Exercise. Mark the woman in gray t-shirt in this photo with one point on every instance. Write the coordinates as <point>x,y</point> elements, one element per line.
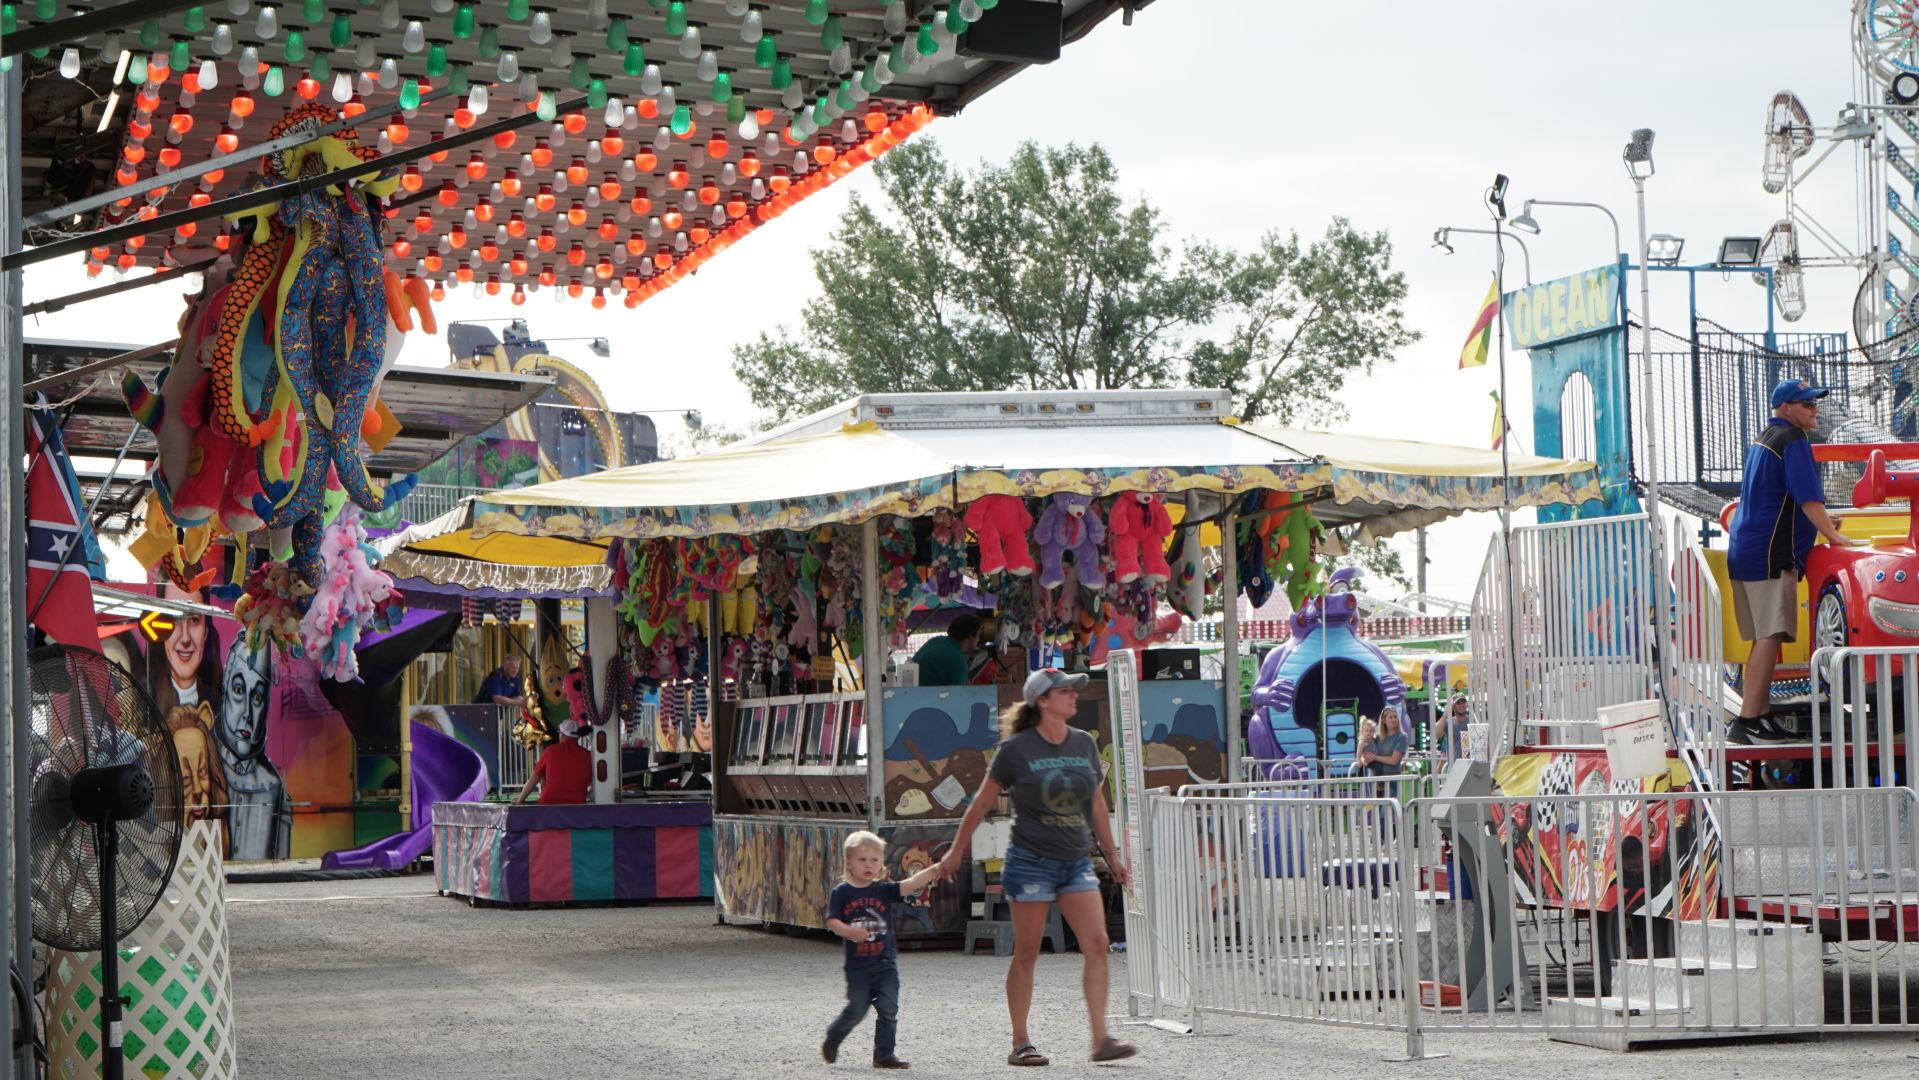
<point>1052,771</point>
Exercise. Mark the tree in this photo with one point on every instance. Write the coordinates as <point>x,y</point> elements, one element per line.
<point>1038,273</point>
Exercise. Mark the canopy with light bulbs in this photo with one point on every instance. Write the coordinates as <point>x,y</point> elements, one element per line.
<point>597,149</point>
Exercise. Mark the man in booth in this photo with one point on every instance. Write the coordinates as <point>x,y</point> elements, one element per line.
<point>947,660</point>
<point>564,773</point>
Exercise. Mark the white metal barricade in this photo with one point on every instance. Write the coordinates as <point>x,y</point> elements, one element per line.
<point>1863,704</point>
<point>1580,638</point>
<point>1698,711</point>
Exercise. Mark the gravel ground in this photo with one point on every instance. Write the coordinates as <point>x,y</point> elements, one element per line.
<point>376,979</point>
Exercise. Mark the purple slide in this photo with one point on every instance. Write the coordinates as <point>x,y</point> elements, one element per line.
<point>444,770</point>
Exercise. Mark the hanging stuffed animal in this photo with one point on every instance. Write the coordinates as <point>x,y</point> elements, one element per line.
<point>353,596</point>
<point>1138,525</point>
<point>1000,522</point>
<point>1187,590</point>
<point>1070,525</point>
<point>948,559</point>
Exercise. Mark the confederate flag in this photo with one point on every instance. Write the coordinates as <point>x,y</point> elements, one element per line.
<point>61,556</point>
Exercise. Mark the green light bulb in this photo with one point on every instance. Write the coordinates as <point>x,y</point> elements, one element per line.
<point>682,120</point>
<point>869,81</point>
<point>988,5</point>
<point>657,4</point>
<point>41,52</point>
<point>926,43</point>
<point>518,10</point>
<point>43,9</point>
<point>765,51</point>
<point>463,22</point>
<point>899,59</point>
<point>722,87</point>
<point>782,76</point>
<point>410,94</point>
<point>456,82</point>
<point>955,22</point>
<point>819,112</point>
<point>816,11</point>
<point>548,107</point>
<point>275,81</point>
<point>635,61</point>
<point>578,76</point>
<point>9,19</point>
<point>313,10</point>
<point>137,74</point>
<point>736,108</point>
<point>616,36</point>
<point>341,32</point>
<point>179,56</point>
<point>150,34</point>
<point>435,60</point>
<point>6,64</point>
<point>596,93</point>
<point>195,20</point>
<point>830,36</point>
<point>844,99</point>
<point>295,47</point>
<point>490,43</point>
<point>322,67</point>
<point>676,18</point>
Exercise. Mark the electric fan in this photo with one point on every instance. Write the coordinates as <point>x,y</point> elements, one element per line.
<point>107,819</point>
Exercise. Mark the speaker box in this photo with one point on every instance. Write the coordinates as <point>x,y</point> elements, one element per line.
<point>1019,31</point>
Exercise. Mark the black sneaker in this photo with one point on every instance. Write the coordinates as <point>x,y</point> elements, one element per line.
<point>830,1050</point>
<point>1755,730</point>
<point>890,1062</point>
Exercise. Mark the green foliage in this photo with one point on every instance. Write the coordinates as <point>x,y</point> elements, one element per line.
<point>1037,273</point>
<point>1378,558</point>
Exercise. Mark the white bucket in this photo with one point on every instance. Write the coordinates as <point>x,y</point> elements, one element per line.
<point>1636,739</point>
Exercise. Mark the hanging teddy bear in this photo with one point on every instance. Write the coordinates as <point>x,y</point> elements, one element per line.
<point>1138,525</point>
<point>1070,524</point>
<point>1000,522</point>
<point>948,555</point>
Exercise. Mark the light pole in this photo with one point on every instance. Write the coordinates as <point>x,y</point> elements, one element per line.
<point>1443,234</point>
<point>1638,159</point>
<point>1525,222</point>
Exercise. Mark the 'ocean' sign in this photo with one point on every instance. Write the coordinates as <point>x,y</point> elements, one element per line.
<point>1568,307</point>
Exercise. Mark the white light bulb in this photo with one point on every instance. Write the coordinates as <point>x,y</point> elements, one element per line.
<point>750,126</point>
<point>752,27</point>
<point>389,73</point>
<point>970,10</point>
<point>690,201</point>
<point>596,15</point>
<point>883,72</point>
<point>772,143</point>
<point>650,82</point>
<point>476,99</point>
<point>415,38</point>
<point>540,30</point>
<point>708,67</point>
<point>758,189</point>
<point>662,138</point>
<point>529,86</point>
<point>249,59</point>
<point>841,59</point>
<point>653,227</point>
<point>592,196</point>
<point>615,113</point>
<point>561,55</point>
<point>679,241</point>
<point>699,155</point>
<point>342,87</point>
<point>441,7</point>
<point>390,14</point>
<point>209,75</point>
<point>668,100</point>
<point>849,132</point>
<point>268,24</point>
<point>239,7</point>
<point>792,95</point>
<point>627,171</point>
<point>690,42</point>
<point>799,161</point>
<point>364,55</point>
<point>364,84</point>
<point>560,183</point>
<point>472,220</point>
<point>728,174</point>
<point>509,68</point>
<point>110,49</point>
<point>69,62</point>
<point>736,8</point>
<point>593,152</point>
<point>895,18</point>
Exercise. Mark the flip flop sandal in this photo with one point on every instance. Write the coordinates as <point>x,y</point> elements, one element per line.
<point>1027,1055</point>
<point>1114,1050</point>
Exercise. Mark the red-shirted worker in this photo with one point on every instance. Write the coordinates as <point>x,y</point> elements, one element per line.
<point>564,772</point>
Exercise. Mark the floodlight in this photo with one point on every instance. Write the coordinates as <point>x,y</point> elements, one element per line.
<point>1664,248</point>
<point>1439,240</point>
<point>1638,154</point>
<point>1496,195</point>
<point>1525,222</point>
<point>1739,251</point>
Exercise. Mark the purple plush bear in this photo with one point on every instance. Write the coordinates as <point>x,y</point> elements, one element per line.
<point>1070,523</point>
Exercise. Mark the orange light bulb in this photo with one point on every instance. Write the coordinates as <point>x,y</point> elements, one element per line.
<point>671,219</point>
<point>574,289</point>
<point>599,298</point>
<point>678,177</point>
<point>645,159</point>
<point>510,184</point>
<point>402,247</point>
<point>170,156</point>
<point>576,213</point>
<point>609,229</point>
<point>475,166</point>
<point>519,295</point>
<point>516,226</point>
<point>698,234</point>
<point>612,145</point>
<point>576,255</point>
<point>545,200</point>
<point>716,146</point>
<point>647,108</point>
<point>547,241</point>
<point>576,171</point>
<point>573,122</point>
<point>505,139</point>
<point>439,292</point>
<point>547,276</point>
<point>542,154</point>
<point>609,188</point>
<point>411,178</point>
<point>492,285</point>
<point>635,244</point>
<point>242,104</point>
<point>640,204</point>
<point>448,193</point>
<point>422,222</point>
<point>432,262</point>
<point>749,165</point>
<point>397,132</point>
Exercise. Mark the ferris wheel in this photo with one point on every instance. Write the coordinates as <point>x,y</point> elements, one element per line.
<point>1885,40</point>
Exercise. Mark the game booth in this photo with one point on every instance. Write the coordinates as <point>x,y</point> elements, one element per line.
<point>790,579</point>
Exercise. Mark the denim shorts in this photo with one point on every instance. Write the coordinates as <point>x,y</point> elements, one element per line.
<point>1029,878</point>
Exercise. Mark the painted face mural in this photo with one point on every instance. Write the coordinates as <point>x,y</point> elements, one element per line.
<point>243,705</point>
<point>196,763</point>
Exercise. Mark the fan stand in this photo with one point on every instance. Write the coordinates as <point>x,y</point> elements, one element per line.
<point>113,1060</point>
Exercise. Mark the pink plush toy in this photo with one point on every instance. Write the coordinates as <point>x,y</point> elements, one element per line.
<point>1070,525</point>
<point>1000,522</point>
<point>1139,526</point>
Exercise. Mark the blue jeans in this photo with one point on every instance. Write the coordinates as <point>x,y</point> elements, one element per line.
<point>878,986</point>
<point>1027,877</point>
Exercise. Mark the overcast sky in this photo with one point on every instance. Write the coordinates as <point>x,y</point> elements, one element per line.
<point>1234,117</point>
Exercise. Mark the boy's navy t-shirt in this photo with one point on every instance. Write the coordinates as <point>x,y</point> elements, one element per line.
<point>870,908</point>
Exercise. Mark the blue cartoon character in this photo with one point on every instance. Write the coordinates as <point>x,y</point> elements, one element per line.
<point>1313,689</point>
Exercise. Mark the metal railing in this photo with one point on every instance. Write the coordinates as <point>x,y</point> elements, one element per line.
<point>1610,918</point>
<point>1580,638</point>
<point>1698,661</point>
<point>516,760</point>
<point>1265,771</point>
<point>1864,701</point>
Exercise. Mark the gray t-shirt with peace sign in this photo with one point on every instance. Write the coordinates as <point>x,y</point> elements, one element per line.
<point>1052,788</point>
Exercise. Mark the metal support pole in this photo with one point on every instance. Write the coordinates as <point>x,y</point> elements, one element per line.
<point>1661,617</point>
<point>602,644</point>
<point>1511,619</point>
<point>76,27</point>
<point>16,907</point>
<point>1419,566</point>
<point>1229,639</point>
<point>872,668</point>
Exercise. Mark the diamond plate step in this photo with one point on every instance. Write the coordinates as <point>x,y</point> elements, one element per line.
<point>1747,942</point>
<point>1724,995</point>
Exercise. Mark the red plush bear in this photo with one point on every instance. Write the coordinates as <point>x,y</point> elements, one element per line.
<point>1000,522</point>
<point>1137,528</point>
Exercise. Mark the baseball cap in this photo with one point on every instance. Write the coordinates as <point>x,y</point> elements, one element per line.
<point>571,729</point>
<point>1052,678</point>
<point>1790,390</point>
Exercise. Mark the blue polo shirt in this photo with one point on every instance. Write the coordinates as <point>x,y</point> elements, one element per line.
<point>1770,534</point>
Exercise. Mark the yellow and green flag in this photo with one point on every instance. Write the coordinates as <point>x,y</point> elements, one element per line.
<point>1479,339</point>
<point>1499,420</point>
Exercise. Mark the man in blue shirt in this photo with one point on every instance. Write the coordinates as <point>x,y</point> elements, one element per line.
<point>1781,508</point>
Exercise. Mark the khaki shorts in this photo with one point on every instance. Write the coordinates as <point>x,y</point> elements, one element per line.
<point>1767,608</point>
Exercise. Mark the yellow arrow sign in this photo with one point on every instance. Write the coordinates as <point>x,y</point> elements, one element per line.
<point>155,624</point>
